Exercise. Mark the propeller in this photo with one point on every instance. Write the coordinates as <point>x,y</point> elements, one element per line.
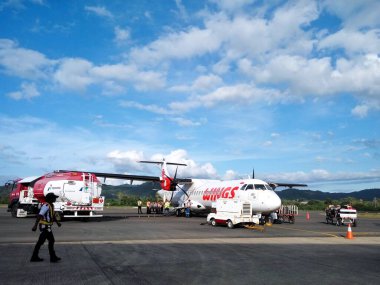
<point>174,184</point>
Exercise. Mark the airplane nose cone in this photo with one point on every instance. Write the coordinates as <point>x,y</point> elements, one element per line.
<point>276,201</point>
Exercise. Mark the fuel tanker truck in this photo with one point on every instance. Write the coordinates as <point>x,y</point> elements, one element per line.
<point>79,194</point>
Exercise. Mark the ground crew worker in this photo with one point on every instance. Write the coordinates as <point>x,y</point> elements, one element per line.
<point>148,207</point>
<point>187,208</point>
<point>139,204</point>
<point>45,220</point>
<point>167,205</point>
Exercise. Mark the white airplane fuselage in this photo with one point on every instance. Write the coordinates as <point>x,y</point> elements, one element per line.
<point>202,193</point>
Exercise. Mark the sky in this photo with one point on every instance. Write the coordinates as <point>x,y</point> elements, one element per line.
<point>289,88</point>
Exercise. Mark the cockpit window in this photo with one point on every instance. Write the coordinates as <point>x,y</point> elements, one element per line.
<point>243,187</point>
<point>268,187</point>
<point>260,187</point>
<point>250,186</point>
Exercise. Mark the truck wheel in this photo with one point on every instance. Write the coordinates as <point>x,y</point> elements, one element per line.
<point>213,222</point>
<point>230,225</point>
<point>14,210</point>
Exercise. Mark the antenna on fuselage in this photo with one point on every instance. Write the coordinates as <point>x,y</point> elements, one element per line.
<point>253,173</point>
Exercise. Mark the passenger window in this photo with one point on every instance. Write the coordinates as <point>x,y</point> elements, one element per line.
<point>243,187</point>
<point>249,187</point>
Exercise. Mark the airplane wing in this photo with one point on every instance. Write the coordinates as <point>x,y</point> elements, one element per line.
<point>290,185</point>
<point>129,176</point>
<point>119,176</point>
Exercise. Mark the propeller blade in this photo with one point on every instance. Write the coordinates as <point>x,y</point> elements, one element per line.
<point>183,190</point>
<point>175,174</point>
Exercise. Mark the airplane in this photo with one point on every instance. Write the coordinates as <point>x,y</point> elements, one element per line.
<point>200,194</point>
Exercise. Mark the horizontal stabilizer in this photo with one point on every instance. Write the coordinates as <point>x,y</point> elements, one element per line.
<point>290,185</point>
<point>162,162</point>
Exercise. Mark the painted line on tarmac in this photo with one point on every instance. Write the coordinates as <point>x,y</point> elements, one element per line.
<point>274,240</point>
<point>280,240</point>
<point>307,231</point>
<point>374,234</point>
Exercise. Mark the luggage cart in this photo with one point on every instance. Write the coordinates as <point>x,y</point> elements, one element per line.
<point>287,213</point>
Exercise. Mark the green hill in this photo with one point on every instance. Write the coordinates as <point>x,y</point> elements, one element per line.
<point>296,194</point>
<point>145,190</point>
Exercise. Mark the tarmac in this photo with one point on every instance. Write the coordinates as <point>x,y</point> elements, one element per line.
<point>126,248</point>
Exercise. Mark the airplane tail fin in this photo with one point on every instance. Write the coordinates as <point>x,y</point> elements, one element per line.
<point>167,182</point>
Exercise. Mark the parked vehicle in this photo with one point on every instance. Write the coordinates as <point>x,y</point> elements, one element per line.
<point>79,194</point>
<point>232,212</point>
<point>341,215</point>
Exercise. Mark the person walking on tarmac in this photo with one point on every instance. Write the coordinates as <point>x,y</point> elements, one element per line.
<point>45,220</point>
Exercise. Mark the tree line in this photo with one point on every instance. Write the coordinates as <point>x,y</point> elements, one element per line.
<point>358,204</point>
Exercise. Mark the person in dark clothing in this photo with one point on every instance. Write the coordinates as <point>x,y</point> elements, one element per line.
<point>45,220</point>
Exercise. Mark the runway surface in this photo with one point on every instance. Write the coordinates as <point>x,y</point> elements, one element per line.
<point>124,248</point>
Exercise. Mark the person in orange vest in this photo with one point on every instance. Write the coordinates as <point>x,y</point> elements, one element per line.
<point>45,220</point>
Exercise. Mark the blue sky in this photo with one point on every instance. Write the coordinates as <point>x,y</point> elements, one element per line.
<point>289,88</point>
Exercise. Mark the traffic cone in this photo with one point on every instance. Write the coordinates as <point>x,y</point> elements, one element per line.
<point>349,234</point>
<point>307,216</point>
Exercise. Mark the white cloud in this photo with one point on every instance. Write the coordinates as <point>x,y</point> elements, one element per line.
<point>355,14</point>
<point>149,108</point>
<point>24,63</point>
<point>232,6</point>
<point>318,77</point>
<point>260,38</point>
<point>240,94</point>
<point>28,91</point>
<point>323,176</point>
<point>74,73</point>
<point>181,45</point>
<point>360,111</point>
<point>230,175</point>
<point>78,74</point>
<point>201,84</point>
<point>188,123</point>
<point>192,169</point>
<point>352,41</point>
<point>128,160</point>
<point>181,10</point>
<point>121,35</point>
<point>142,80</point>
<point>99,11</point>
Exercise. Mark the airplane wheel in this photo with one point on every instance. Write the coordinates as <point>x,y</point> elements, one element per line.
<point>230,225</point>
<point>213,222</point>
